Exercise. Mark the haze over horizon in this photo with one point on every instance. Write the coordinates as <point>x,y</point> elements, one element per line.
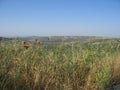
<point>60,18</point>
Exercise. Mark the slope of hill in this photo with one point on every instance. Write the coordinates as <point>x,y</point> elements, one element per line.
<point>57,39</point>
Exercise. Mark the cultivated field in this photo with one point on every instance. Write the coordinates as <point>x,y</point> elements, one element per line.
<point>91,65</point>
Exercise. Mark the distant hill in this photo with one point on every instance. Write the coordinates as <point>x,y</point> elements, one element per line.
<point>56,39</point>
<point>3,38</point>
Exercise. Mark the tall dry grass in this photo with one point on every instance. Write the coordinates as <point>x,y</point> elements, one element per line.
<point>74,66</point>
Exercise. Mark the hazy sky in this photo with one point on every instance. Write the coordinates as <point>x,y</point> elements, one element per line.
<point>59,17</point>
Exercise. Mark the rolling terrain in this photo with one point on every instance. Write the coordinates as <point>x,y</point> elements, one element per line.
<point>89,63</point>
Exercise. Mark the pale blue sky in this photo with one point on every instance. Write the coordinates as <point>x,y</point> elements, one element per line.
<point>60,17</point>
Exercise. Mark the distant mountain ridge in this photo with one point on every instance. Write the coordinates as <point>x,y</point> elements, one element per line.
<point>56,39</point>
<point>4,38</point>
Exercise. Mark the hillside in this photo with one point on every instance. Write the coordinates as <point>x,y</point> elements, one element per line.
<point>93,65</point>
<point>56,39</point>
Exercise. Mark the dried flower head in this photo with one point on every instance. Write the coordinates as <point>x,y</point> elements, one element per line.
<point>26,46</point>
<point>23,42</point>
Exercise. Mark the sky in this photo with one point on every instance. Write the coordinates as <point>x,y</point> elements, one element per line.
<point>60,18</point>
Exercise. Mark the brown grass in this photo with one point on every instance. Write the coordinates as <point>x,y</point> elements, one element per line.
<point>29,67</point>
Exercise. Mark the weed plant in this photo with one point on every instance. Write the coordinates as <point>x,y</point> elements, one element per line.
<point>65,66</point>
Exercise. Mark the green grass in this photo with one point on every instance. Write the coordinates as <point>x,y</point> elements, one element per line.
<point>65,66</point>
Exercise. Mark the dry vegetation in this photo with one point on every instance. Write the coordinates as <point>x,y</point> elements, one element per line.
<point>73,66</point>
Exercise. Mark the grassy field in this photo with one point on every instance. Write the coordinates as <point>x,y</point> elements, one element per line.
<point>92,65</point>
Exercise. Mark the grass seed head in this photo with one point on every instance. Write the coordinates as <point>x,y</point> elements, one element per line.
<point>26,46</point>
